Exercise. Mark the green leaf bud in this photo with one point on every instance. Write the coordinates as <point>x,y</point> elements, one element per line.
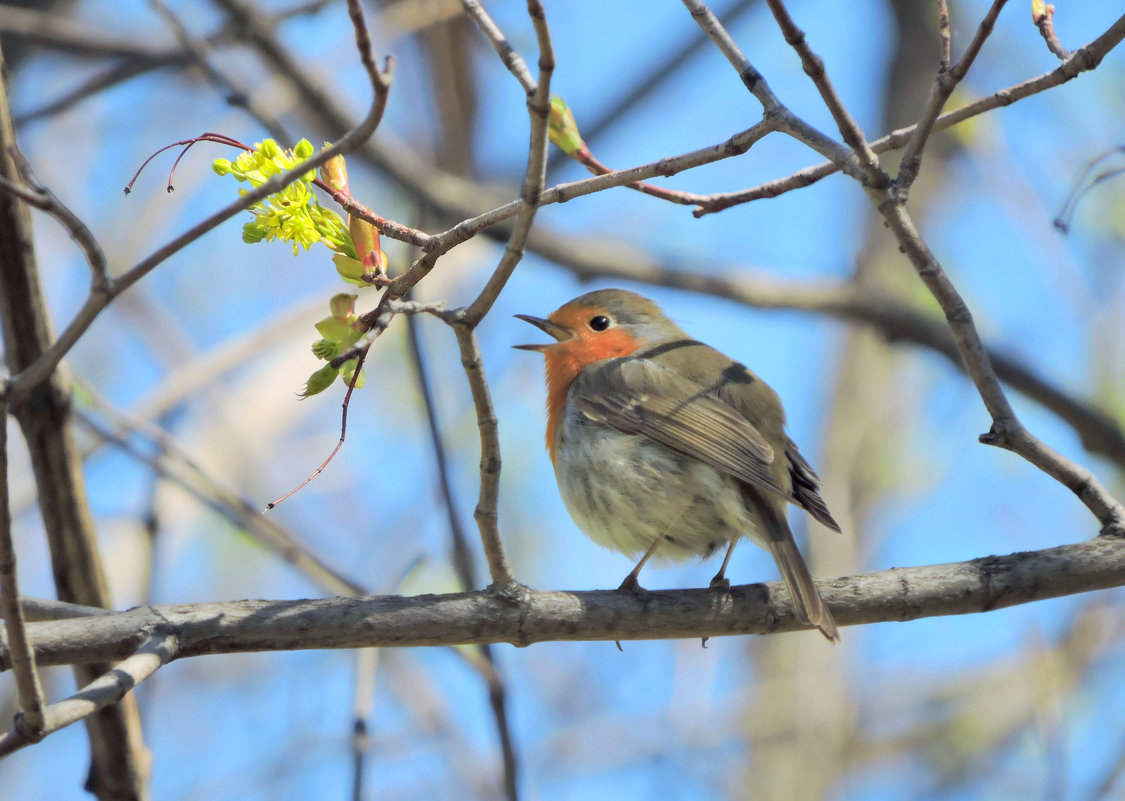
<point>561,127</point>
<point>320,380</point>
<point>325,349</point>
<point>303,149</point>
<point>343,305</point>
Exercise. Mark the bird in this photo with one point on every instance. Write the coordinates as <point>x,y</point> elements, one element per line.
<point>665,447</point>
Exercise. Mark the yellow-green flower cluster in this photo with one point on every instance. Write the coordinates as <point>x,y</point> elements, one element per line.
<point>293,214</point>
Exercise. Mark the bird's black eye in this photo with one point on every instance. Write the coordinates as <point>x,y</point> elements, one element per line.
<point>599,323</point>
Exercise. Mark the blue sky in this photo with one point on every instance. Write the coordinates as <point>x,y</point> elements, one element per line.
<point>660,719</point>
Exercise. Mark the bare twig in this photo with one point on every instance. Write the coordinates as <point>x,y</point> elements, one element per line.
<point>390,228</point>
<point>1082,60</point>
<point>463,563</point>
<point>28,689</point>
<point>667,63</point>
<point>437,245</point>
<point>413,307</point>
<point>775,113</point>
<point>814,68</point>
<point>345,404</point>
<point>751,78</point>
<point>157,650</point>
<point>44,199</point>
<point>379,319</point>
<point>538,108</point>
<point>946,36</point>
<point>899,594</point>
<point>944,84</point>
<point>1043,15</point>
<point>1007,431</point>
<point>512,60</point>
<point>465,320</point>
<point>380,79</point>
<point>590,161</point>
<point>670,165</point>
<point>485,513</point>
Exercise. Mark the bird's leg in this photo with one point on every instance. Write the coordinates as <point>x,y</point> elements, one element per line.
<point>630,583</point>
<point>721,582</point>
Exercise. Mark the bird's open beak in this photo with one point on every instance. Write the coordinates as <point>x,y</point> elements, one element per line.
<point>559,332</point>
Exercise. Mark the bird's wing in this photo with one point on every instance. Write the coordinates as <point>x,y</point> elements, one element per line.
<point>806,486</point>
<point>639,396</point>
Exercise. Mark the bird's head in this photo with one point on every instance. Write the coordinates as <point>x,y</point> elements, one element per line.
<point>603,324</point>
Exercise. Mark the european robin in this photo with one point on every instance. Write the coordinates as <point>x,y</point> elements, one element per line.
<point>663,446</point>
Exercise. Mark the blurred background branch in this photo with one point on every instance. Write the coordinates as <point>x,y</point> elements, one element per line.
<point>191,375</point>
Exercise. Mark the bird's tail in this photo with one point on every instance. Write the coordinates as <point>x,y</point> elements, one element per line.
<point>806,598</point>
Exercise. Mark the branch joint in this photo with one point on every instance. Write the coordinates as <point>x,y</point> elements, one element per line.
<point>28,732</point>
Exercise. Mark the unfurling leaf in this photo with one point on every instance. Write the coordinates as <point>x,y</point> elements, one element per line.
<point>320,380</point>
<point>334,328</point>
<point>351,270</point>
<point>347,370</point>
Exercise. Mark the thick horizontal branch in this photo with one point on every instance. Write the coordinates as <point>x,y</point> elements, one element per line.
<point>527,616</point>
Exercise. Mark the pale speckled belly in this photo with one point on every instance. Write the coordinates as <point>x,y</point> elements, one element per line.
<point>632,491</point>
